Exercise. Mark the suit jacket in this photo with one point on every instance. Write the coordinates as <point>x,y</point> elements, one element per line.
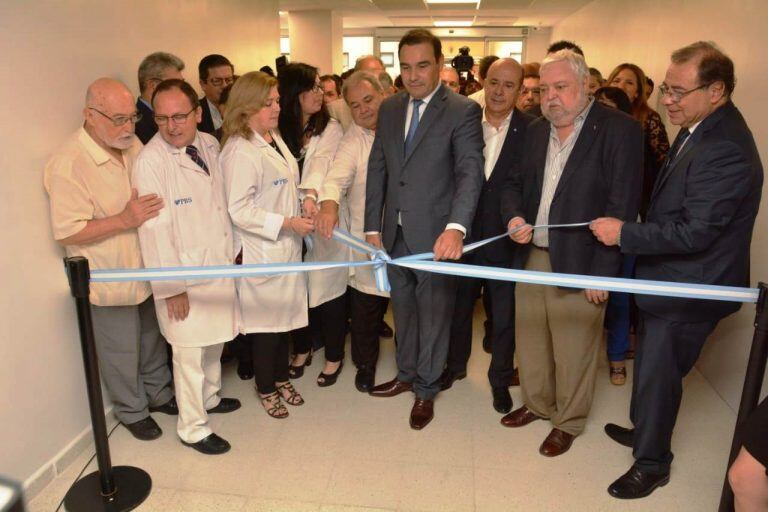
<point>700,219</point>
<point>488,218</point>
<point>437,182</point>
<point>602,178</point>
<point>146,128</point>
<point>206,125</point>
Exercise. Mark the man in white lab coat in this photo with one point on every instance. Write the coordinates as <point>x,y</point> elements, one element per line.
<point>180,165</point>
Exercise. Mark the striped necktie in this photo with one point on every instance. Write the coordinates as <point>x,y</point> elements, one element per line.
<point>195,156</point>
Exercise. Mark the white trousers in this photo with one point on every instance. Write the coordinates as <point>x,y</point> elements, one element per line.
<point>197,379</point>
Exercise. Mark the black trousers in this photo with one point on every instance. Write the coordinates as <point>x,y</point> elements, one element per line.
<point>422,303</point>
<point>499,301</point>
<point>270,359</point>
<point>367,313</point>
<point>328,321</point>
<point>666,351</point>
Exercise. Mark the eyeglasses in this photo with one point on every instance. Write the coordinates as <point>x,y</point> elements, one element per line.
<point>676,96</point>
<point>120,120</point>
<point>218,82</point>
<point>317,88</point>
<point>177,118</point>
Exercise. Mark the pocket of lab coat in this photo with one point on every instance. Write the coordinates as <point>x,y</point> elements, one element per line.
<point>264,255</point>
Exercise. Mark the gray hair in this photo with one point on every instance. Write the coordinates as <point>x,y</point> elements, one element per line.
<point>364,58</point>
<point>359,77</point>
<point>574,60</point>
<point>153,65</point>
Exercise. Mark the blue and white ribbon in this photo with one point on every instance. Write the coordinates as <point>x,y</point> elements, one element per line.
<point>423,262</point>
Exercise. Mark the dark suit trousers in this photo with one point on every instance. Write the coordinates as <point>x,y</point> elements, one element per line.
<point>666,352</point>
<point>422,303</point>
<point>500,303</point>
<point>367,312</point>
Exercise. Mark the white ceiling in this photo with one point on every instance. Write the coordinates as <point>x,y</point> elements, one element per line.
<point>418,13</point>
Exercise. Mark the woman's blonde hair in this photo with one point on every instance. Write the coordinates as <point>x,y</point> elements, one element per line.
<point>248,95</point>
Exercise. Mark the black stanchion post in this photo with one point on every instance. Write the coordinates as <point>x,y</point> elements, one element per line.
<point>753,383</point>
<point>108,489</point>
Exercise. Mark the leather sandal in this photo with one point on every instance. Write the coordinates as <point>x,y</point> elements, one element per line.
<point>273,405</point>
<point>618,374</point>
<point>289,394</point>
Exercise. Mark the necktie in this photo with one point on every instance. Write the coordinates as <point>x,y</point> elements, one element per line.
<point>682,136</point>
<point>195,156</point>
<point>413,125</point>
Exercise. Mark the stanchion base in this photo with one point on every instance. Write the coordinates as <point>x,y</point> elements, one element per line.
<point>132,486</point>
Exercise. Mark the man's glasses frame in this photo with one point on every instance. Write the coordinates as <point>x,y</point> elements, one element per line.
<point>177,118</point>
<point>120,120</point>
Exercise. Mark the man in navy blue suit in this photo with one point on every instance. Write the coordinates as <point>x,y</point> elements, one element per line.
<point>698,230</point>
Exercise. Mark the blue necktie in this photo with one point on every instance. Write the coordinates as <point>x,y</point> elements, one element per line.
<point>414,124</point>
<point>195,156</point>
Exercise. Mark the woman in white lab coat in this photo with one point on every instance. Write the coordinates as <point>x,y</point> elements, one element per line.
<point>313,137</point>
<point>261,179</point>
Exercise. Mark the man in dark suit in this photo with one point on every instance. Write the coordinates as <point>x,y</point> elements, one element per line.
<point>425,173</point>
<point>582,160</point>
<point>216,73</point>
<point>698,230</point>
<point>155,68</point>
<point>504,129</point>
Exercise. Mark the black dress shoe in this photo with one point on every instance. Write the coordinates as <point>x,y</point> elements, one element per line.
<point>145,430</point>
<point>245,370</point>
<point>386,331</point>
<point>619,434</point>
<point>502,400</point>
<point>487,343</point>
<point>211,445</point>
<point>170,407</point>
<point>449,377</point>
<point>637,483</point>
<point>225,405</point>
<point>365,378</point>
<point>296,372</point>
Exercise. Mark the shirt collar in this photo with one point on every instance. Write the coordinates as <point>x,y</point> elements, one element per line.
<point>175,151</point>
<point>428,97</point>
<point>503,124</point>
<point>99,155</point>
<point>694,126</point>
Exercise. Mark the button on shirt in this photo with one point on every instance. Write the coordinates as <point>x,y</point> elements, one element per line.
<point>86,183</point>
<point>494,141</point>
<point>557,156</point>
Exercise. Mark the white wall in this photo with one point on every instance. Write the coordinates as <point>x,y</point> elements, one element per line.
<point>536,44</point>
<point>51,51</point>
<point>645,32</point>
<point>316,39</point>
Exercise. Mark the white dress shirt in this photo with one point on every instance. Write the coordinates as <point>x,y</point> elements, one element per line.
<point>494,141</point>
<point>215,115</point>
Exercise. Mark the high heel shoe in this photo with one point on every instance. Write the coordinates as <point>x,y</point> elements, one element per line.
<point>295,372</point>
<point>273,405</point>
<point>289,394</point>
<point>325,379</point>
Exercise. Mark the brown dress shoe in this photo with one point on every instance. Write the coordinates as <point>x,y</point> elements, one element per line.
<point>392,388</point>
<point>422,413</point>
<point>556,443</point>
<point>519,418</point>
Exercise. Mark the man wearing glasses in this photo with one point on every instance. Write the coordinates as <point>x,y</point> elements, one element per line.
<point>95,213</point>
<point>155,68</point>
<point>529,100</point>
<point>698,230</point>
<point>180,164</point>
<point>216,73</point>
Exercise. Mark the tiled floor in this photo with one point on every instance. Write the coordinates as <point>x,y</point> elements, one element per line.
<point>345,451</point>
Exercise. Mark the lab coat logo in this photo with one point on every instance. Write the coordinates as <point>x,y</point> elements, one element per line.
<point>281,181</point>
<point>183,200</point>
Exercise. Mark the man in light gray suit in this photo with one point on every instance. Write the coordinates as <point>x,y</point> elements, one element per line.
<point>425,173</point>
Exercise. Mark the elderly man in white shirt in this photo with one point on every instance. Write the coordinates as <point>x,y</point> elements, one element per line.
<point>180,165</point>
<point>344,188</point>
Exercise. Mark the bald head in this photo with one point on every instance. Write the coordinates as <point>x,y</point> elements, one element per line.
<point>502,87</point>
<point>108,112</point>
<point>369,63</point>
<point>105,91</point>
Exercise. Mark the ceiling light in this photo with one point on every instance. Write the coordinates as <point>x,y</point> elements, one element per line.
<point>453,23</point>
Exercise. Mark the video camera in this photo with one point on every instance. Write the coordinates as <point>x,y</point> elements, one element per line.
<point>463,62</point>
